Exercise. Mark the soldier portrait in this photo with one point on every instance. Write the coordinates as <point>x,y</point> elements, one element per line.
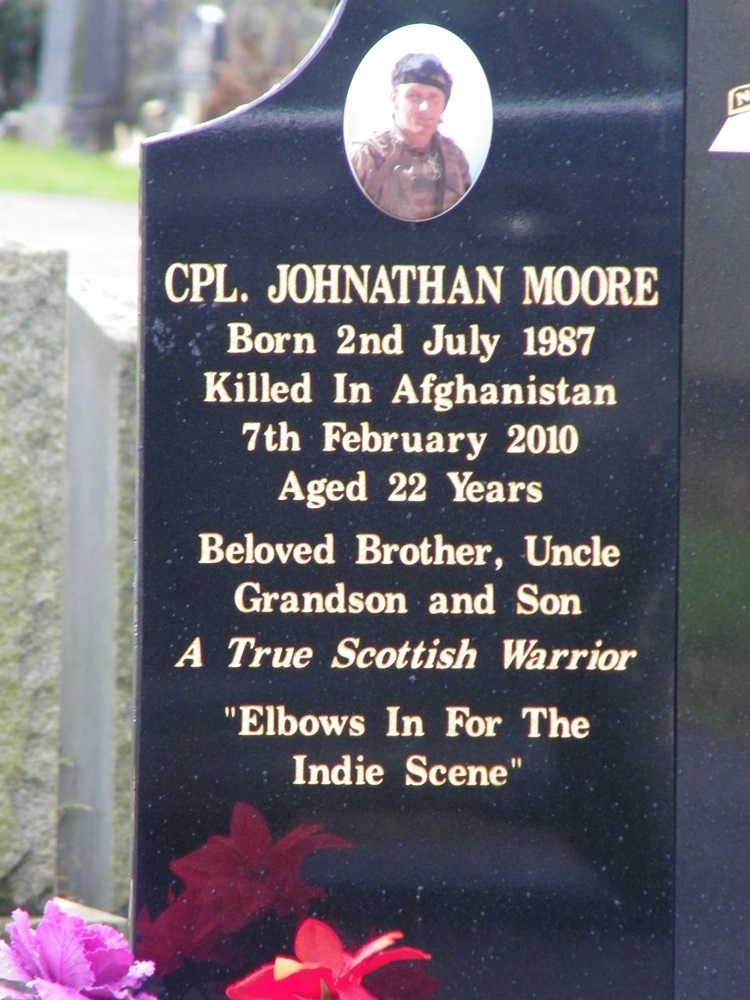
<point>413,169</point>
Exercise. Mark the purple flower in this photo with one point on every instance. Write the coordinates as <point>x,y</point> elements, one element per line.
<point>67,959</point>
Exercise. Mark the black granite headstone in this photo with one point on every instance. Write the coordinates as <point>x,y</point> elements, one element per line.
<point>409,514</point>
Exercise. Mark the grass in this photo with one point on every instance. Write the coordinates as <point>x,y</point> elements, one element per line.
<point>715,625</point>
<point>25,167</point>
<point>715,569</point>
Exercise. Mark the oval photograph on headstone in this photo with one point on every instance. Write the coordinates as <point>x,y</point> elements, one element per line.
<point>418,122</point>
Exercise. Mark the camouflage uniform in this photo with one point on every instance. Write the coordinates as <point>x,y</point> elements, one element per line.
<point>411,183</point>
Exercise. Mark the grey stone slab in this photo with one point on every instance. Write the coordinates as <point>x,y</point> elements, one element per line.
<point>101,241</point>
<point>32,439</point>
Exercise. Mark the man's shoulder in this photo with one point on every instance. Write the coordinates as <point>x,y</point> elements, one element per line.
<point>376,148</point>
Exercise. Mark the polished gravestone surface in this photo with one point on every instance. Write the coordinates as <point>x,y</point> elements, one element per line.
<point>408,536</point>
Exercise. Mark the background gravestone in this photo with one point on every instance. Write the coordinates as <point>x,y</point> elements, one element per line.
<point>547,868</point>
<point>32,330</point>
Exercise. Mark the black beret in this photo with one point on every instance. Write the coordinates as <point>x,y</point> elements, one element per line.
<point>419,67</point>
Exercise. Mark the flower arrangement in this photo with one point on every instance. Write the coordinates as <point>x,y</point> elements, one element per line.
<point>228,884</point>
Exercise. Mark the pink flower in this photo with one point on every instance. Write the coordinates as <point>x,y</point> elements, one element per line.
<point>323,970</point>
<point>67,959</point>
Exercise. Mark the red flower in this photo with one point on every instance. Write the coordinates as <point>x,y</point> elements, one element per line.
<point>229,882</point>
<point>232,880</point>
<point>323,970</point>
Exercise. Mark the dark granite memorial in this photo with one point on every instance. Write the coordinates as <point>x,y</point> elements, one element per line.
<point>408,516</point>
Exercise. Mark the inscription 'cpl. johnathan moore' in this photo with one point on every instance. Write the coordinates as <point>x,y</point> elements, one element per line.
<point>423,284</point>
<point>433,284</point>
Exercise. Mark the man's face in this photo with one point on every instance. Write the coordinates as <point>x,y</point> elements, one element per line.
<point>417,109</point>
